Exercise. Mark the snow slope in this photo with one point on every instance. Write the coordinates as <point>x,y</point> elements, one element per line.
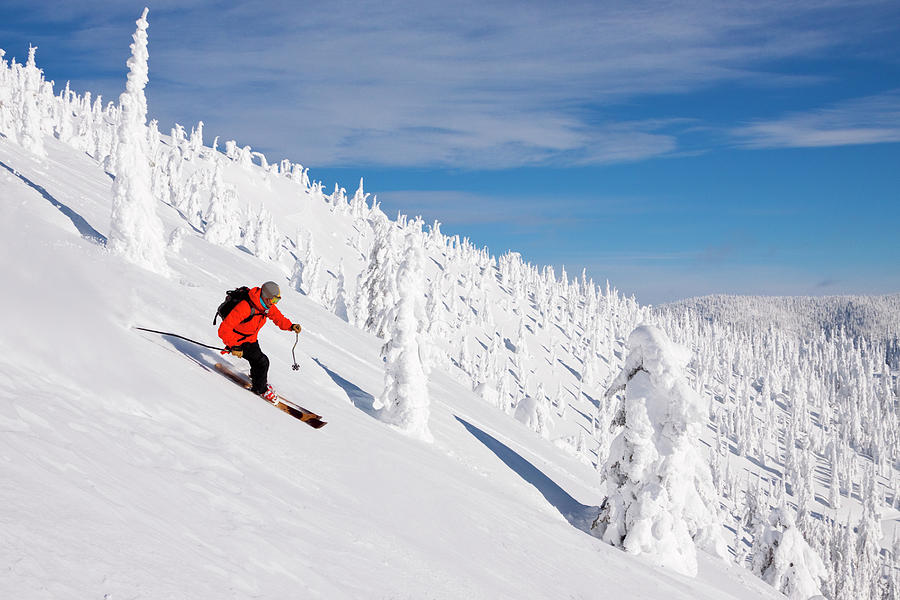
<point>131,470</point>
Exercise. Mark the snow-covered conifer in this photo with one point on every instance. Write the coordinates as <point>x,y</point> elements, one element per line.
<point>176,239</point>
<point>245,157</point>
<point>358,202</point>
<point>222,220</point>
<point>740,548</point>
<point>304,241</point>
<point>661,500</point>
<point>534,413</point>
<point>338,200</point>
<point>312,275</point>
<point>6,117</point>
<point>231,150</point>
<point>195,143</point>
<point>405,402</point>
<point>136,231</point>
<point>465,355</point>
<point>341,300</point>
<point>190,200</point>
<point>63,124</point>
<point>30,135</point>
<point>521,343</point>
<point>266,239</point>
<point>868,538</point>
<point>375,290</point>
<point>248,229</point>
<point>784,560</point>
<point>179,140</point>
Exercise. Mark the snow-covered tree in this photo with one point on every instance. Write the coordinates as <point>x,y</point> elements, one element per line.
<point>222,221</point>
<point>358,202</point>
<point>266,242</point>
<point>176,239</point>
<point>304,240</point>
<point>338,200</point>
<point>195,143</point>
<point>405,402</point>
<point>312,276</point>
<point>307,269</point>
<point>534,413</point>
<point>784,560</point>
<point>30,135</point>
<point>868,562</point>
<point>341,301</point>
<point>136,231</point>
<point>661,501</point>
<point>375,291</point>
<point>6,89</point>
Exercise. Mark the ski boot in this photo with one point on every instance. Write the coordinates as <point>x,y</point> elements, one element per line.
<point>270,394</point>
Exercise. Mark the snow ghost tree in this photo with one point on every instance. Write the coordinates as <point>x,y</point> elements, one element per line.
<point>222,224</point>
<point>405,398</point>
<point>136,231</point>
<point>303,240</point>
<point>374,288</point>
<point>30,136</point>
<point>266,243</point>
<point>661,500</point>
<point>341,301</point>
<point>783,559</point>
<point>534,413</point>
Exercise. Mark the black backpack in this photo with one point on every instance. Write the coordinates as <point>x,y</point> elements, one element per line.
<point>232,299</point>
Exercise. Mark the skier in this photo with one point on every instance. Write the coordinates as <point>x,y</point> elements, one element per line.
<point>240,327</point>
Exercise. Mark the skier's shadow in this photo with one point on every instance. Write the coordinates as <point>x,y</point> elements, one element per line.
<point>578,515</point>
<point>203,357</point>
<point>360,398</point>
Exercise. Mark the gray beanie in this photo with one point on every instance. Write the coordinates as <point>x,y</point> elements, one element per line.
<point>269,289</point>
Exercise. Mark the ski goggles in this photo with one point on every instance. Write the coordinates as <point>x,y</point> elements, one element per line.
<point>274,299</point>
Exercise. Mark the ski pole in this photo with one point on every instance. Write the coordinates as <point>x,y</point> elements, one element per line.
<point>184,338</point>
<point>295,366</point>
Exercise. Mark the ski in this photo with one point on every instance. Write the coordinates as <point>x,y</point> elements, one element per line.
<point>283,404</point>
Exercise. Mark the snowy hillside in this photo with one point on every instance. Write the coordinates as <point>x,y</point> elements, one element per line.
<point>865,317</point>
<point>135,470</point>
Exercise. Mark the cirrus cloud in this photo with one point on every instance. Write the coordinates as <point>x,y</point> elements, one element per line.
<point>465,84</point>
<point>870,120</point>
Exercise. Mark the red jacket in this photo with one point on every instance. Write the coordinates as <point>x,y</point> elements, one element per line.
<point>244,322</point>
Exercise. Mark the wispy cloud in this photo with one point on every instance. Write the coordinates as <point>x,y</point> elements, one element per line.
<point>870,120</point>
<point>463,84</point>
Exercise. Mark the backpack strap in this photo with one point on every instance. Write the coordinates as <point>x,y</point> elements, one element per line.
<point>254,312</point>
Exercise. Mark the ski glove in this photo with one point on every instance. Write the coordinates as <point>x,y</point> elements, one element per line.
<point>296,327</point>
<point>237,352</point>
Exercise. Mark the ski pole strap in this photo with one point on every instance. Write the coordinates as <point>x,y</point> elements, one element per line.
<point>295,366</point>
<point>181,337</point>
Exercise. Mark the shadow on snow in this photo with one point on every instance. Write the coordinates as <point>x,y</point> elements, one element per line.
<point>360,398</point>
<point>83,227</point>
<point>578,515</point>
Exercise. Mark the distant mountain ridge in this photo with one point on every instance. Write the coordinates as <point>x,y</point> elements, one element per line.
<point>876,318</point>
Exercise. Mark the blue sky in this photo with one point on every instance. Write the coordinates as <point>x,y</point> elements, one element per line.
<point>675,148</point>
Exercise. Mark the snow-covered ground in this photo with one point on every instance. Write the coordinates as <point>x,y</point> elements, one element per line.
<point>131,470</point>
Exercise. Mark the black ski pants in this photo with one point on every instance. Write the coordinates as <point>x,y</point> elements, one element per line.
<point>259,366</point>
